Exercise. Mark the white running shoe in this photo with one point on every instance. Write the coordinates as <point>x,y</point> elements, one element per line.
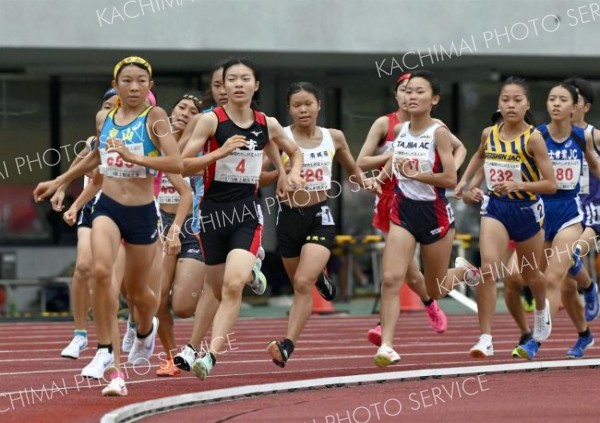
<point>385,356</point>
<point>259,284</point>
<point>261,253</point>
<point>185,358</point>
<point>483,348</point>
<point>116,388</point>
<point>202,366</point>
<point>542,324</point>
<point>128,339</point>
<point>77,344</point>
<point>473,274</point>
<point>101,361</point>
<point>143,348</point>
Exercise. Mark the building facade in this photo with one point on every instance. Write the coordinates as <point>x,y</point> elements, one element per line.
<point>56,60</point>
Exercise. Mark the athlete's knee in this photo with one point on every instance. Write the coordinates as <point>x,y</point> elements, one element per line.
<point>413,274</point>
<point>414,278</point>
<point>183,309</point>
<point>391,281</point>
<point>511,285</point>
<point>303,284</point>
<point>553,279</point>
<point>232,287</point>
<point>102,275</point>
<point>489,271</point>
<point>84,269</point>
<point>568,287</point>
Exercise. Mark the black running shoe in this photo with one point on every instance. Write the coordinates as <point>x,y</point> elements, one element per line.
<point>279,353</point>
<point>326,288</point>
<point>522,341</point>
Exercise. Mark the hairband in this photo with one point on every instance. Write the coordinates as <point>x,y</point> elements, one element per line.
<point>403,77</point>
<point>130,60</point>
<point>109,93</point>
<point>196,100</point>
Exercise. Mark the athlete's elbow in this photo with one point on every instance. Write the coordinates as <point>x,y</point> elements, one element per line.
<point>360,162</point>
<point>453,181</point>
<point>449,181</point>
<point>186,169</point>
<point>551,187</point>
<point>297,156</point>
<point>177,165</point>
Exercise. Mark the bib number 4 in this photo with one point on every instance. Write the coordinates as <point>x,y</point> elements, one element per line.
<point>241,167</point>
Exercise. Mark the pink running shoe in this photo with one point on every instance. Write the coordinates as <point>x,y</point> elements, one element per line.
<point>374,335</point>
<point>437,318</point>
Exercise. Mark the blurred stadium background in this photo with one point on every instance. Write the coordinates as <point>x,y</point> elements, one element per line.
<point>56,60</point>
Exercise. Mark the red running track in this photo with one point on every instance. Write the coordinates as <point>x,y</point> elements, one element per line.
<point>37,385</point>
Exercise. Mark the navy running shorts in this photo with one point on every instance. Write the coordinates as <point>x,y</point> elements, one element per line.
<point>190,246</point>
<point>560,214</point>
<point>138,224</point>
<point>521,218</point>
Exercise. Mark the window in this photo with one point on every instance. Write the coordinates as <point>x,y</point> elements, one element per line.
<point>24,159</point>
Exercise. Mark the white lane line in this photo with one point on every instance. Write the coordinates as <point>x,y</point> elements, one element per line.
<point>299,358</point>
<point>308,334</point>
<point>402,349</point>
<point>133,411</point>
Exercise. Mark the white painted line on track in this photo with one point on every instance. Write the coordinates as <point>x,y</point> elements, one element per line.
<point>136,411</point>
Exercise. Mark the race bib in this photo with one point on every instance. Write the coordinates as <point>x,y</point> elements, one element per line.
<point>241,167</point>
<point>538,210</point>
<point>317,176</point>
<point>566,173</point>
<point>497,171</point>
<point>168,194</point>
<point>113,165</point>
<point>414,163</point>
<point>417,153</point>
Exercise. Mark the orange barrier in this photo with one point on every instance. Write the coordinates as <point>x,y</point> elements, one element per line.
<point>320,305</point>
<point>409,301</point>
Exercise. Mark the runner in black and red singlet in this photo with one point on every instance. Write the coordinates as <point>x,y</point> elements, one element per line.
<point>233,138</point>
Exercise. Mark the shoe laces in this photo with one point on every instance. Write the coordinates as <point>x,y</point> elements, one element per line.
<point>484,340</point>
<point>77,341</point>
<point>130,334</point>
<point>98,358</point>
<point>540,316</point>
<point>189,354</point>
<point>117,382</point>
<point>386,349</point>
<point>531,344</point>
<point>434,312</point>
